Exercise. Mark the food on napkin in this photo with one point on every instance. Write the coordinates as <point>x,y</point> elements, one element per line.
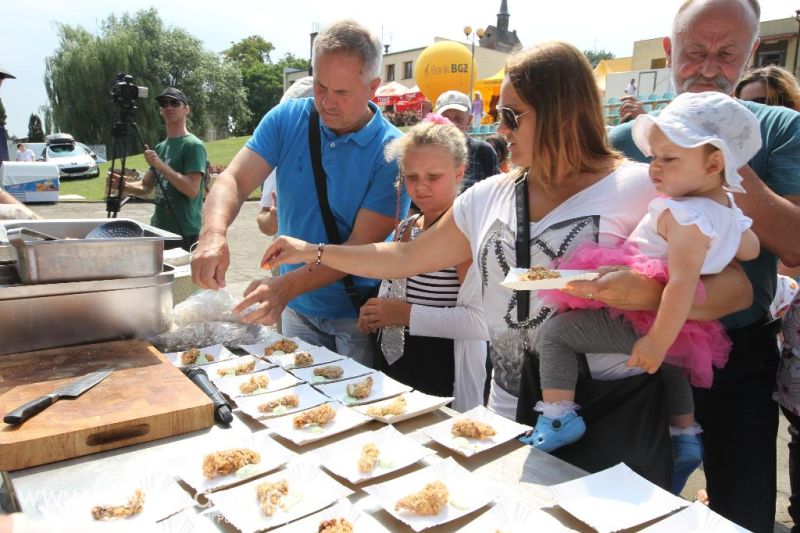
<point>472,429</point>
<point>108,512</point>
<point>260,381</point>
<point>290,400</point>
<point>537,273</point>
<point>238,370</point>
<point>195,356</point>
<point>227,462</point>
<point>270,495</point>
<point>329,372</point>
<point>369,457</point>
<point>283,345</point>
<point>427,502</point>
<point>396,407</point>
<point>361,389</point>
<point>320,416</point>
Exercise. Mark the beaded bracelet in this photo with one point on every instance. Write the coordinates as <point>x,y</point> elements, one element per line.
<point>320,249</point>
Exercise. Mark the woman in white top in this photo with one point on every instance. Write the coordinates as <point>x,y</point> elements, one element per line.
<point>578,190</point>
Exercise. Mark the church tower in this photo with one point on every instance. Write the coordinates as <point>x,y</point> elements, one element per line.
<point>499,37</point>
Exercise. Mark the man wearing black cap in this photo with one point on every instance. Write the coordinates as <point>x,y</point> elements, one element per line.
<point>178,163</point>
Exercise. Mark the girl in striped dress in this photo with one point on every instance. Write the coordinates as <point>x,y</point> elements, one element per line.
<point>431,157</point>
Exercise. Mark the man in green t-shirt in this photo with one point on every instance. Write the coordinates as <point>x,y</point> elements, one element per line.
<point>177,167</point>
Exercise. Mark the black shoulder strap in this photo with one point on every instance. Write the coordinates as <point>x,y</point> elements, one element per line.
<point>522,242</point>
<point>322,195</point>
<point>523,252</point>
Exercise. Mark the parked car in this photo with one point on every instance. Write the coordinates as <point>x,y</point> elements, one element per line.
<point>74,159</point>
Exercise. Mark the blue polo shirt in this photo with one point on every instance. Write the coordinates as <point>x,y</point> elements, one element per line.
<point>777,163</point>
<point>358,176</point>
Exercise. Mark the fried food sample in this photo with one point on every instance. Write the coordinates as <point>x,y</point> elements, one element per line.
<point>472,429</point>
<point>238,370</point>
<point>270,495</point>
<point>108,512</point>
<point>335,525</point>
<point>227,462</point>
<point>427,502</point>
<point>283,345</point>
<point>189,357</point>
<point>361,389</point>
<point>260,381</point>
<point>302,359</point>
<point>290,400</point>
<point>329,372</point>
<point>537,273</point>
<point>320,415</point>
<point>369,457</point>
<point>396,407</point>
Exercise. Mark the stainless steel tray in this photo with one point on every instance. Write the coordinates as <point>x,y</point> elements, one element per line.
<point>73,258</point>
<point>34,317</point>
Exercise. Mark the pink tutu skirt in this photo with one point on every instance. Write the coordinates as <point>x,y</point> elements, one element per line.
<point>699,345</point>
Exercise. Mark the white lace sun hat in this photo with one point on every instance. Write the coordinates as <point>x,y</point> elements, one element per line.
<point>695,119</point>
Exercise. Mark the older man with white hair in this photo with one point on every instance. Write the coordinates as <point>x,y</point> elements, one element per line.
<point>349,134</point>
<point>710,46</point>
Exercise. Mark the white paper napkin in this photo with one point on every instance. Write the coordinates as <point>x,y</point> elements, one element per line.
<point>345,419</point>
<point>613,499</point>
<point>278,379</point>
<point>417,403</point>
<point>350,369</point>
<point>307,397</point>
<point>512,517</point>
<point>505,430</point>
<point>382,387</point>
<point>696,517</point>
<point>396,451</point>
<point>217,351</point>
<point>467,493</point>
<point>360,520</point>
<point>310,489</point>
<point>512,280</point>
<point>321,355</point>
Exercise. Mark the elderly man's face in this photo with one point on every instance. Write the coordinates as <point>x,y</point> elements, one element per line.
<point>460,119</point>
<point>340,92</point>
<point>712,44</point>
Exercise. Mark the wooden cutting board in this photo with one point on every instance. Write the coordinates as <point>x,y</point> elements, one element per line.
<point>143,399</point>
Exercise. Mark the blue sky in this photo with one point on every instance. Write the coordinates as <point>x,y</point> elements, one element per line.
<point>28,32</point>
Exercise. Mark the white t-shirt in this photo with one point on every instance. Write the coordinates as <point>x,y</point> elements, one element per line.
<point>267,189</point>
<point>630,90</point>
<point>27,155</point>
<point>605,212</point>
<point>722,225</point>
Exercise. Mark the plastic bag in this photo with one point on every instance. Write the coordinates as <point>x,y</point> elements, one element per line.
<point>206,306</point>
<point>230,334</point>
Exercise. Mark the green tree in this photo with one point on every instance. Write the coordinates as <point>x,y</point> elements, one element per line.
<point>262,78</point>
<point>595,56</point>
<point>35,132</point>
<point>78,74</point>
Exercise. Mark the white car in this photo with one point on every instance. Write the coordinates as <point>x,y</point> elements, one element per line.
<point>74,160</point>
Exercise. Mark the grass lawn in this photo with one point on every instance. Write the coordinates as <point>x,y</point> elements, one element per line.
<point>94,189</point>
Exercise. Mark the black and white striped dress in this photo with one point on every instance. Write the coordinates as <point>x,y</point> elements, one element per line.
<point>428,363</point>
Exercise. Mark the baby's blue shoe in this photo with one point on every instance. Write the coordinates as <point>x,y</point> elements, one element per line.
<point>553,433</point>
<point>687,454</point>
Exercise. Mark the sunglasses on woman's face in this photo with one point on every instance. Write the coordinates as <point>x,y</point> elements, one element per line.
<point>169,103</point>
<point>509,118</point>
<point>759,100</point>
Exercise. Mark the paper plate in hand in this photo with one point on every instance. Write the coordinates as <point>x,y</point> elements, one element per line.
<point>190,466</point>
<point>504,430</point>
<point>309,490</point>
<point>696,517</point>
<point>277,377</point>
<point>216,352</point>
<point>228,368</point>
<point>161,497</point>
<point>259,349</point>
<point>394,451</point>
<point>307,397</point>
<point>382,387</point>
<point>613,499</point>
<point>343,509</point>
<point>466,493</point>
<point>511,517</point>
<point>350,369</point>
<point>320,356</point>
<point>513,281</point>
<point>416,403</point>
<point>345,419</point>
<point>188,521</point>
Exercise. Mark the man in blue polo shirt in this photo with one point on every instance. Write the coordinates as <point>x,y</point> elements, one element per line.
<point>710,45</point>
<point>360,186</point>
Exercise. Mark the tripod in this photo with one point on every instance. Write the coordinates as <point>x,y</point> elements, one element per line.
<point>120,133</point>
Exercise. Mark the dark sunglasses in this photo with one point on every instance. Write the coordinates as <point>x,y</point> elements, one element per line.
<point>509,118</point>
<point>169,103</point>
<point>759,100</point>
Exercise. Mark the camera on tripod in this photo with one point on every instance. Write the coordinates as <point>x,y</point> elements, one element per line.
<point>124,91</point>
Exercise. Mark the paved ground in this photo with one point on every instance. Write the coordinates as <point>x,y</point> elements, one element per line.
<point>247,246</point>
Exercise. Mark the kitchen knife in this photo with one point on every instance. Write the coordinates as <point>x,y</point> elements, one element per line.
<point>70,390</point>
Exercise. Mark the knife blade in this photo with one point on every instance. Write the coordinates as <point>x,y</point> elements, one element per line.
<point>70,390</point>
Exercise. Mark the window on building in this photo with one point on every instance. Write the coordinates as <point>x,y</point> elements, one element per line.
<point>659,63</point>
<point>389,72</point>
<point>408,72</point>
<point>773,53</point>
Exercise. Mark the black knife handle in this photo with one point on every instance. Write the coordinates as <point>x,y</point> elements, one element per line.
<point>33,407</point>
